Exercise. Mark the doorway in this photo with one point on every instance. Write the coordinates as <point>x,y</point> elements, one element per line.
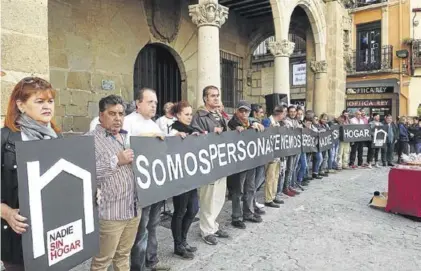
<point>156,68</point>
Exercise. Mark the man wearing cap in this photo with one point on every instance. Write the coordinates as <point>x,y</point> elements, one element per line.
<point>243,181</point>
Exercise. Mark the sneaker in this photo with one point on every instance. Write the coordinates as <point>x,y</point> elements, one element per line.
<point>331,171</point>
<point>353,167</point>
<point>369,166</point>
<point>221,234</point>
<point>377,165</point>
<point>260,205</point>
<point>210,239</point>
<point>238,224</point>
<point>317,176</point>
<point>305,183</point>
<point>255,218</point>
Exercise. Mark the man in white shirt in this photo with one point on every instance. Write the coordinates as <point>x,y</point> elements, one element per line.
<point>357,146</point>
<point>140,123</point>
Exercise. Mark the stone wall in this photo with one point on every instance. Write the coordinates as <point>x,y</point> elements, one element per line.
<point>24,39</point>
<point>91,41</point>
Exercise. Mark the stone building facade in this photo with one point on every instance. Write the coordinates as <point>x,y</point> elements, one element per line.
<point>90,49</point>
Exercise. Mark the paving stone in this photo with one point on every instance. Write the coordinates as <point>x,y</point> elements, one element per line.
<point>328,227</point>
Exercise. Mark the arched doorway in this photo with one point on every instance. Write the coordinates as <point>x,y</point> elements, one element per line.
<point>156,68</point>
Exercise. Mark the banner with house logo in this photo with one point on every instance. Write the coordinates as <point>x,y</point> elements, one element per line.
<point>57,189</point>
<point>379,137</point>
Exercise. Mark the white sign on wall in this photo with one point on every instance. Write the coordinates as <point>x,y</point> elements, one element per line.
<point>299,74</point>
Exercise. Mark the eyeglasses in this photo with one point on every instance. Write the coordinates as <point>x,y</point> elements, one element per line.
<point>36,82</point>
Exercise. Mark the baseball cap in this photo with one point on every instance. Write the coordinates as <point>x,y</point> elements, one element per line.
<point>244,105</point>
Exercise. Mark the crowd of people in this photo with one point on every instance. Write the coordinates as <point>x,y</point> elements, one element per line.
<point>128,233</point>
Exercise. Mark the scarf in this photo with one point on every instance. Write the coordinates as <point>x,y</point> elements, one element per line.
<point>181,127</point>
<point>33,130</point>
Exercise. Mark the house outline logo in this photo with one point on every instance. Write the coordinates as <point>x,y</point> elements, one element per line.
<point>37,182</point>
<point>378,131</point>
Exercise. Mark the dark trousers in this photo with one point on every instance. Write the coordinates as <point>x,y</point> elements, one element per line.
<point>373,154</point>
<point>145,249</point>
<point>13,267</point>
<point>186,207</point>
<point>387,153</point>
<point>356,147</point>
<point>403,148</point>
<point>243,189</point>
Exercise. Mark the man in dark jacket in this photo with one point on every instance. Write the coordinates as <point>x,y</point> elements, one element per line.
<point>243,181</point>
<point>392,137</point>
<point>211,196</point>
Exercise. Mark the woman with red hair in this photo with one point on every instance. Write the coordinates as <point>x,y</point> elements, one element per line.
<point>29,117</point>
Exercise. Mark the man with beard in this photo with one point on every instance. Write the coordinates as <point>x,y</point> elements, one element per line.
<point>139,123</point>
<point>290,122</point>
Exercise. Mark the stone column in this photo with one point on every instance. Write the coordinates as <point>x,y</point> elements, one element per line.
<point>209,16</point>
<point>282,51</point>
<point>310,78</point>
<point>321,93</point>
<point>24,40</point>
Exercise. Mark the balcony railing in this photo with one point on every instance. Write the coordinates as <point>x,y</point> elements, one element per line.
<point>371,60</point>
<point>364,3</point>
<point>416,53</point>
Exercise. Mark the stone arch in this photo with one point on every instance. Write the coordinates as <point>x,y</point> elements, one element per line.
<point>179,61</point>
<point>317,20</point>
<point>281,31</point>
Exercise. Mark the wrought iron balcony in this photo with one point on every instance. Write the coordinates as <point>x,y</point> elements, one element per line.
<point>416,53</point>
<point>372,60</point>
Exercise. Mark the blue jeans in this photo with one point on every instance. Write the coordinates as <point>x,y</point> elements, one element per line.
<point>145,249</point>
<point>301,167</point>
<point>317,162</point>
<point>417,148</point>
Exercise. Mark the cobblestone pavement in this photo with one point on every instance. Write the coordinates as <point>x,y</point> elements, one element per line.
<point>328,227</point>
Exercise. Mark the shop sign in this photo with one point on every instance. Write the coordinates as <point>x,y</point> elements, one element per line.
<point>368,103</point>
<point>369,90</point>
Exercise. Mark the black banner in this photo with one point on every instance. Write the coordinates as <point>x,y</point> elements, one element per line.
<point>355,133</point>
<point>335,133</point>
<point>57,188</point>
<point>310,140</point>
<point>290,142</point>
<point>325,140</point>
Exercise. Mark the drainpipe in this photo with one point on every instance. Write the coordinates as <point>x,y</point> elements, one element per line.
<point>400,60</point>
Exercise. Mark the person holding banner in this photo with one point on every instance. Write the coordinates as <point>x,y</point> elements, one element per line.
<point>186,205</point>
<point>29,116</point>
<point>392,136</point>
<point>212,196</point>
<point>323,127</point>
<point>144,252</point>
<point>373,153</point>
<point>118,211</point>
<point>357,147</point>
<point>243,183</point>
<point>274,167</point>
<point>290,122</point>
<point>317,156</point>
<point>344,148</point>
